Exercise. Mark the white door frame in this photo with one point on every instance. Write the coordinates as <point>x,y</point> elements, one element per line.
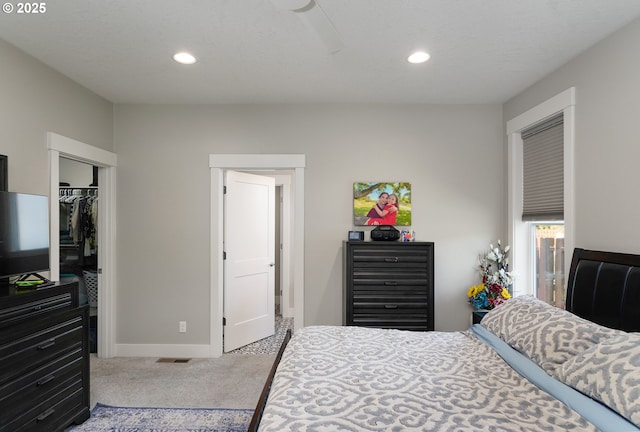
<point>286,225</point>
<point>218,163</point>
<point>58,146</point>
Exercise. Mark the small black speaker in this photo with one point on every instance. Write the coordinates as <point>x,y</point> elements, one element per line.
<point>385,233</point>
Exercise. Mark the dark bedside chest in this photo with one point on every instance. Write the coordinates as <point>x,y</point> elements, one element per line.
<point>478,315</point>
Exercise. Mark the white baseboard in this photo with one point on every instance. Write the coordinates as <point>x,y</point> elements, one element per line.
<point>163,350</point>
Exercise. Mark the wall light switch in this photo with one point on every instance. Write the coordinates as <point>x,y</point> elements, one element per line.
<point>182,327</point>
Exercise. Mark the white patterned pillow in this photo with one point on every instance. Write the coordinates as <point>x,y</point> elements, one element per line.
<point>548,335</point>
<point>610,373</point>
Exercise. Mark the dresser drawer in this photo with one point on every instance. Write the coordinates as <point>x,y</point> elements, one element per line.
<point>40,384</point>
<point>381,293</point>
<point>376,249</point>
<point>389,279</point>
<point>388,264</point>
<point>387,309</point>
<point>29,306</point>
<point>391,311</point>
<point>51,415</point>
<point>27,347</point>
<point>400,322</point>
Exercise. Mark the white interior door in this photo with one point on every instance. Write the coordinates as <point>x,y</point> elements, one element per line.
<point>249,237</point>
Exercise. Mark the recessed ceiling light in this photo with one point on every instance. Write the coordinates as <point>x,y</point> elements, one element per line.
<point>184,58</point>
<point>418,57</point>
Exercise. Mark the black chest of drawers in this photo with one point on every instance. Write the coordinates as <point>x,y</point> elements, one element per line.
<point>389,285</point>
<point>44,360</point>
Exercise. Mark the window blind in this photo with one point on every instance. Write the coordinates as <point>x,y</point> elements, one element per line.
<point>543,171</point>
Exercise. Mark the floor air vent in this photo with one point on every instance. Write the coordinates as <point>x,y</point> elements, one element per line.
<point>173,360</point>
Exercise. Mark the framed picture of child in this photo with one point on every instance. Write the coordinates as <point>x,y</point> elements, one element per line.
<point>381,203</point>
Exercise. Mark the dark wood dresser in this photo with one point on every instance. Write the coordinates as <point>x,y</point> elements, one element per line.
<point>44,359</point>
<point>389,285</point>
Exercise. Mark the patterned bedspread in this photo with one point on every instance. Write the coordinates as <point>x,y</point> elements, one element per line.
<point>355,379</point>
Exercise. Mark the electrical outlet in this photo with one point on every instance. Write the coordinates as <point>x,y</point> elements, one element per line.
<point>182,327</point>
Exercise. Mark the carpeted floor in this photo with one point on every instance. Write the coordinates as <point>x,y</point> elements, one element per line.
<point>105,418</point>
<point>233,380</point>
<point>229,381</point>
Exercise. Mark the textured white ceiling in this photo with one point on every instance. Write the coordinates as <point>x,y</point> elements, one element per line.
<point>251,51</point>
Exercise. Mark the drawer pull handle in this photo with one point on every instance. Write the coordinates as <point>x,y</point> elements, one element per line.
<point>391,260</point>
<point>47,344</point>
<point>389,306</point>
<point>46,380</point>
<point>45,414</point>
<point>390,283</point>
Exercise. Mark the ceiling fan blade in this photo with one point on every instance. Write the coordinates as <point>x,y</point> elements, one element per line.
<point>318,20</point>
<point>315,17</point>
<point>292,5</point>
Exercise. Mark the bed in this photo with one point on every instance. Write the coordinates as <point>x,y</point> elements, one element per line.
<point>527,366</point>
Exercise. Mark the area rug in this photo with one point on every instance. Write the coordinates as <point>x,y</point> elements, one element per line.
<point>105,418</point>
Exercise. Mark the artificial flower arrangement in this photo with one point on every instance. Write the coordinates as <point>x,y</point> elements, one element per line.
<point>496,279</point>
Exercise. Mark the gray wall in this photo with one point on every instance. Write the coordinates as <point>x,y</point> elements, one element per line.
<point>35,100</point>
<point>452,155</point>
<point>77,174</point>
<point>607,152</point>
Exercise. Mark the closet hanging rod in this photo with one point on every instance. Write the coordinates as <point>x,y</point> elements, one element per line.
<point>68,191</point>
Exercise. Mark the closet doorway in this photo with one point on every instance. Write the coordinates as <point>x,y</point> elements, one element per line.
<point>62,147</point>
<point>79,200</point>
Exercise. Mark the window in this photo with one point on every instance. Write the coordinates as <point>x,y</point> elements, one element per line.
<point>543,199</point>
<point>541,235</point>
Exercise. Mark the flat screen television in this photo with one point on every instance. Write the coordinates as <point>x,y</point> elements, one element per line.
<point>24,234</point>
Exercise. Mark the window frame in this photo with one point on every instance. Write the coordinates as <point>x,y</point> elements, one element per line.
<point>518,231</point>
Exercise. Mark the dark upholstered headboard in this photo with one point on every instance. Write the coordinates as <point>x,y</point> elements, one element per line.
<point>604,287</point>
